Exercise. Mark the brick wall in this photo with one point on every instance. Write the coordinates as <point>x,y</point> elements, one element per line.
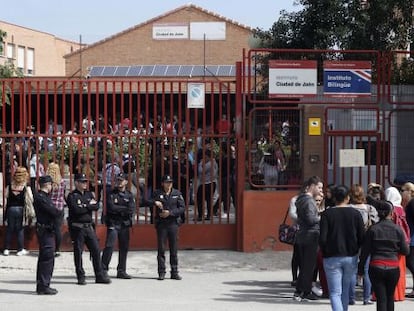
<point>135,46</point>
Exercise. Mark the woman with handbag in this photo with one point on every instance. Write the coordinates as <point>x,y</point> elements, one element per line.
<point>19,210</point>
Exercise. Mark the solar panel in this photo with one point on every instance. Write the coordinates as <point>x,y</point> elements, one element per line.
<point>121,71</point>
<point>134,71</point>
<point>165,71</point>
<point>172,70</point>
<point>159,70</point>
<point>147,71</point>
<point>185,70</point>
<point>224,71</point>
<point>108,71</point>
<point>211,70</point>
<point>198,71</point>
<point>96,71</point>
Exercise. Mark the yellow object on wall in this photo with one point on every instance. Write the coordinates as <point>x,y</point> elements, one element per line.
<point>314,126</point>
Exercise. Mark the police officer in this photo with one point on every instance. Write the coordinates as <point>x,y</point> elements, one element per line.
<point>120,206</point>
<point>46,215</point>
<point>81,203</point>
<point>168,204</point>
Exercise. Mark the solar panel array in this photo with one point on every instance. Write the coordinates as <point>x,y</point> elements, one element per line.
<point>163,71</point>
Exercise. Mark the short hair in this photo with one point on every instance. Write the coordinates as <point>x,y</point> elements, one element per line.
<point>314,180</point>
<point>383,208</point>
<point>340,193</point>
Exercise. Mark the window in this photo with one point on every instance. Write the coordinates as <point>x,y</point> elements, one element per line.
<point>30,61</point>
<point>2,50</point>
<point>20,58</point>
<point>10,51</point>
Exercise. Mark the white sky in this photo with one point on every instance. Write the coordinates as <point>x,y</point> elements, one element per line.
<point>98,19</point>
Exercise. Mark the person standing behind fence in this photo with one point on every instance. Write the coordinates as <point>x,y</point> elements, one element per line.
<point>384,242</point>
<point>120,206</point>
<point>342,234</point>
<point>57,195</point>
<point>398,216</point>
<point>307,237</point>
<point>19,210</point>
<point>46,215</point>
<point>207,180</point>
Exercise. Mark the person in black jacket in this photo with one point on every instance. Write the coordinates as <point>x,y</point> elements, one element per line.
<point>307,237</point>
<point>120,206</point>
<point>81,203</point>
<point>46,215</point>
<point>341,235</point>
<point>168,206</point>
<point>384,241</point>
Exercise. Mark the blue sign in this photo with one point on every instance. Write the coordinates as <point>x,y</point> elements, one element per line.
<point>347,79</point>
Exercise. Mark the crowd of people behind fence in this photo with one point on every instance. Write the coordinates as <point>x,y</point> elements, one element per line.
<point>144,150</point>
<point>350,237</point>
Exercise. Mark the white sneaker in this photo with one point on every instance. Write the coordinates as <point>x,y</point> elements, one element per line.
<point>23,252</point>
<point>317,291</point>
<point>6,252</point>
<point>224,215</point>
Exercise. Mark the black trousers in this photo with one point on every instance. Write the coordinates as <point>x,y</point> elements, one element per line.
<point>410,262</point>
<point>384,281</point>
<point>80,237</point>
<point>112,233</point>
<point>308,252</point>
<point>167,230</point>
<point>46,259</point>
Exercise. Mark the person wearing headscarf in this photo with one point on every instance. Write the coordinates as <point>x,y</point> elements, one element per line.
<point>384,242</point>
<point>19,210</point>
<point>393,195</point>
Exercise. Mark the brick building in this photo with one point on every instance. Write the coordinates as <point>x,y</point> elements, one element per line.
<point>188,35</point>
<point>35,53</point>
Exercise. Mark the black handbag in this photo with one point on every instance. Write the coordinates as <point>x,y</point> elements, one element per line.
<point>287,233</point>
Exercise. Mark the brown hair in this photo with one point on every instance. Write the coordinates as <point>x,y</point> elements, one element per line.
<point>357,194</point>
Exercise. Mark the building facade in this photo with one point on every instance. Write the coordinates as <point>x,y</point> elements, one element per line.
<point>35,53</point>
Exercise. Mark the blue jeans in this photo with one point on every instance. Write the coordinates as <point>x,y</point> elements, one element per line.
<point>339,272</point>
<point>366,284</point>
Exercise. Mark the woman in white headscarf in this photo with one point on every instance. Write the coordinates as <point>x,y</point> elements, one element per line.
<point>393,195</point>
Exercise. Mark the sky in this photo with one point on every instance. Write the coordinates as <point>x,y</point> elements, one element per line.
<point>93,20</point>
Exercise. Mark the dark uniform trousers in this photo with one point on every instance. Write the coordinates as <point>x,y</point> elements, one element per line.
<point>46,259</point>
<point>112,232</point>
<point>167,230</point>
<point>80,237</point>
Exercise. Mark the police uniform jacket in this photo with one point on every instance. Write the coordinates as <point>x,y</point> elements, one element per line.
<point>80,206</point>
<point>120,206</point>
<point>173,202</point>
<point>46,212</point>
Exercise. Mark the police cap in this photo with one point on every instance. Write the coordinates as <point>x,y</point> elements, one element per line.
<point>166,178</point>
<point>81,177</point>
<point>45,179</point>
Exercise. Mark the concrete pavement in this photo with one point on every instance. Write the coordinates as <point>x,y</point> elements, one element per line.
<point>212,280</point>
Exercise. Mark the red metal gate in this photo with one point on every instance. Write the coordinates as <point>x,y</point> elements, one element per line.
<point>145,127</point>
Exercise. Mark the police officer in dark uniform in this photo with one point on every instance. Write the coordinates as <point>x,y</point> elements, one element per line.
<point>81,203</point>
<point>168,204</point>
<point>120,206</point>
<point>46,215</point>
